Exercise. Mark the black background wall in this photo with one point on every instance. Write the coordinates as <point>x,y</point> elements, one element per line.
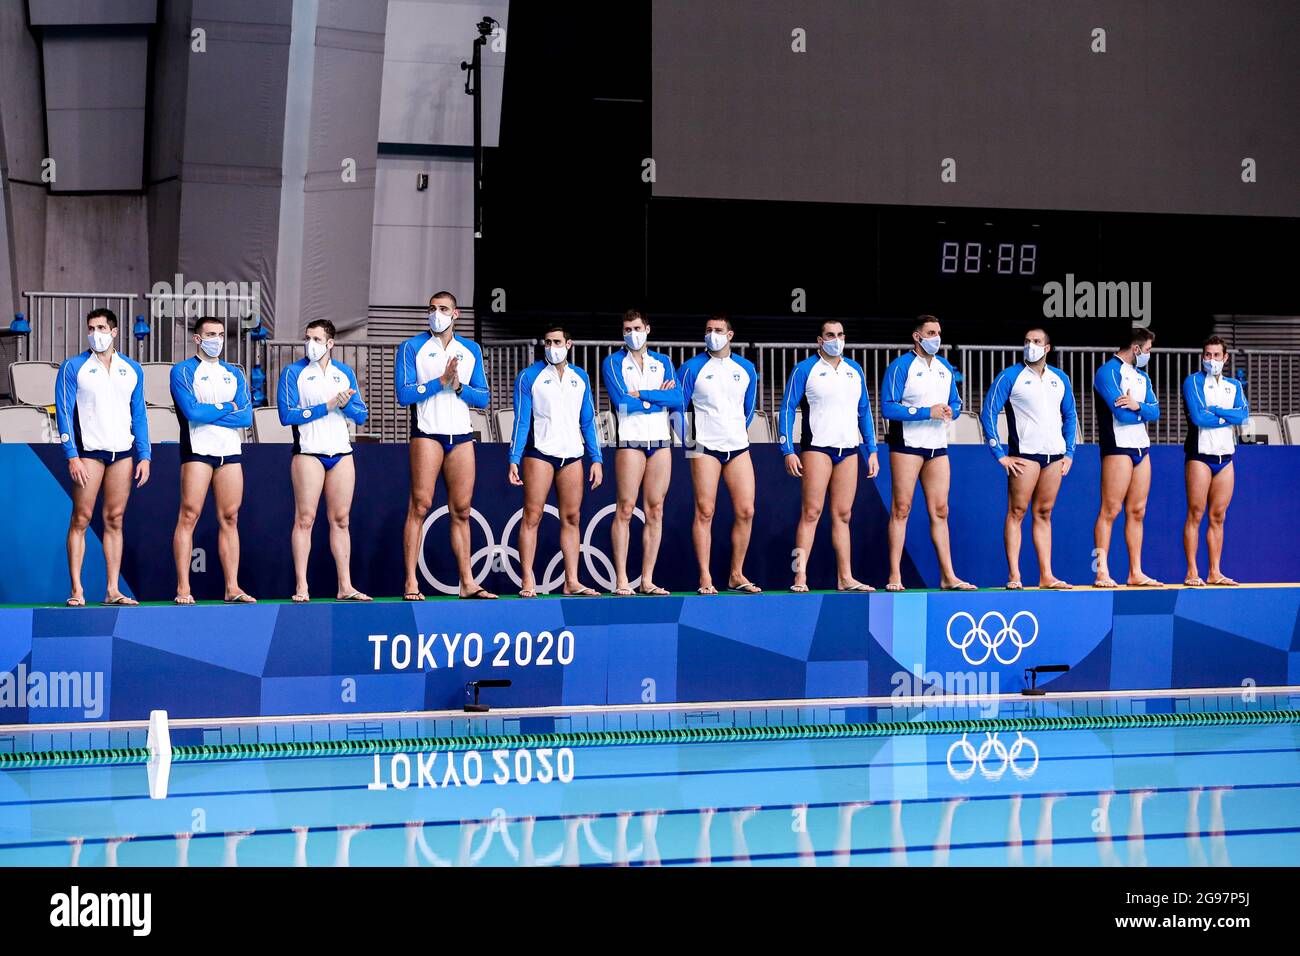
<point>571,228</point>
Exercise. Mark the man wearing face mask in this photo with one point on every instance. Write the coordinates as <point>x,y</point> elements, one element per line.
<point>1215,405</point>
<point>919,399</point>
<point>721,388</point>
<point>831,391</point>
<point>100,412</point>
<point>555,419</point>
<point>440,377</point>
<point>1041,428</point>
<point>1124,401</point>
<point>213,404</point>
<point>643,393</point>
<point>316,398</point>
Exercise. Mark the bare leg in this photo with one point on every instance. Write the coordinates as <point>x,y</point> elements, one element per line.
<point>83,509</point>
<point>816,477</point>
<point>1020,488</point>
<point>654,489</point>
<point>459,471</point>
<point>308,476</point>
<point>1135,512</point>
<point>705,472</point>
<point>340,482</point>
<point>538,476</point>
<point>426,462</point>
<point>195,479</point>
<point>738,475</point>
<point>629,469</point>
<point>1220,497</point>
<point>1049,485</point>
<point>903,472</point>
<point>844,491</point>
<point>1197,477</point>
<point>1116,475</point>
<point>117,489</point>
<point>568,494</point>
<point>228,492</point>
<point>935,477</point>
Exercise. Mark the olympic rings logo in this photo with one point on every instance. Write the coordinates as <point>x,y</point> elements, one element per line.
<point>502,556</point>
<point>1007,631</point>
<point>1004,757</point>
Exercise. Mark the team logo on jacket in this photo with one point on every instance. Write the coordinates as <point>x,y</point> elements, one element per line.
<point>735,376</point>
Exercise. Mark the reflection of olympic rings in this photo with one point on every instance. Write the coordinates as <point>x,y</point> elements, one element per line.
<point>992,745</point>
<point>992,642</point>
<point>503,557</point>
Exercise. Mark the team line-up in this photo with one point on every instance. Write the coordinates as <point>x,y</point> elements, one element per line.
<point>439,375</point>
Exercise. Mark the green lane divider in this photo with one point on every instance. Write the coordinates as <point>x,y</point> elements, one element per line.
<point>606,738</point>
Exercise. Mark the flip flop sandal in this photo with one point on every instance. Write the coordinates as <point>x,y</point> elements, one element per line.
<point>749,587</point>
<point>799,588</point>
<point>300,599</point>
<point>1193,583</point>
<point>856,589</point>
<point>622,592</point>
<point>241,598</point>
<point>1106,583</point>
<point>895,588</point>
<point>356,596</point>
<point>412,596</point>
<point>654,592</point>
<point>482,594</point>
<point>710,591</point>
<point>184,602</point>
<point>75,602</point>
<point>1147,583</point>
<point>528,593</point>
<point>1222,583</point>
<point>120,601</point>
<point>960,586</point>
<point>581,592</point>
<point>1015,586</point>
<point>1057,585</point>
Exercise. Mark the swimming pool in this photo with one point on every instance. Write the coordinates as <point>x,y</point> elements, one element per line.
<point>1159,796</point>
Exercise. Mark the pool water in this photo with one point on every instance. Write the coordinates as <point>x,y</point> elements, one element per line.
<point>1179,796</point>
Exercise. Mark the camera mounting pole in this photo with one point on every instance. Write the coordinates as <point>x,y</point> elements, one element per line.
<point>473,83</point>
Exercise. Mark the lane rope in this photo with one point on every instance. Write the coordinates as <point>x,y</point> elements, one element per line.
<point>674,735</point>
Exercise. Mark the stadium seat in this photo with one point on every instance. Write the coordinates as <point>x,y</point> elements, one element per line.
<point>760,429</point>
<point>479,421</point>
<point>1262,429</point>
<point>158,384</point>
<point>965,430</point>
<point>164,426</point>
<point>32,383</point>
<point>26,425</point>
<point>505,419</point>
<point>267,429</point>
<point>1291,425</point>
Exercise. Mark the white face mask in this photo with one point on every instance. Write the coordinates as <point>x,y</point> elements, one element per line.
<point>833,347</point>
<point>1034,352</point>
<point>212,347</point>
<point>315,350</point>
<point>100,341</point>
<point>635,340</point>
<point>715,341</point>
<point>1142,358</point>
<point>555,354</point>
<point>1212,366</point>
<point>931,346</point>
<point>439,322</point>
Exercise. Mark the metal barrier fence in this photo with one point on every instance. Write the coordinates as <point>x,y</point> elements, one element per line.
<point>58,324</point>
<point>58,321</point>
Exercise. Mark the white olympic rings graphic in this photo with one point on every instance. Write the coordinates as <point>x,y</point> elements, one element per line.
<point>499,555</point>
<point>1000,751</point>
<point>1007,631</point>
